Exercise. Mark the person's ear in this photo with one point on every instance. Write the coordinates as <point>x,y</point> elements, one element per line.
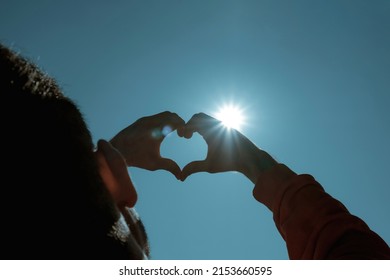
<point>113,170</point>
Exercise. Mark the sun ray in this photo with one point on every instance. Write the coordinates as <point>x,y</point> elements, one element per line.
<point>231,116</point>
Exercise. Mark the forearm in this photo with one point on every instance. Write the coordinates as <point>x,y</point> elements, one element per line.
<point>314,224</point>
<point>255,162</point>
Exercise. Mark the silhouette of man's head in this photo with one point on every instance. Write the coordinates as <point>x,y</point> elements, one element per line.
<point>54,202</point>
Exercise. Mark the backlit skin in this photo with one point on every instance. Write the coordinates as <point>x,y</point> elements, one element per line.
<point>129,227</point>
<point>113,169</point>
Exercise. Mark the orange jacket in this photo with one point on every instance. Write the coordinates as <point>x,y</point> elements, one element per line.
<point>313,223</point>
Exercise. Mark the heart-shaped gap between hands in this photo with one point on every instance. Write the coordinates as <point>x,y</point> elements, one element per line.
<point>182,150</point>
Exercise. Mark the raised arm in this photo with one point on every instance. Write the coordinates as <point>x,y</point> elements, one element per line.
<point>313,223</point>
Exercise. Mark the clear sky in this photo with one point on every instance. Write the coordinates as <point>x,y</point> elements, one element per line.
<point>313,78</point>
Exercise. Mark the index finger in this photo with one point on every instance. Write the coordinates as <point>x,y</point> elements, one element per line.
<point>162,124</point>
<point>169,121</point>
<point>201,123</point>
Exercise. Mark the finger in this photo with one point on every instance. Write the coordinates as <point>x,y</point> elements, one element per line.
<point>164,123</point>
<point>193,167</point>
<point>171,166</point>
<point>181,130</point>
<point>170,119</point>
<point>191,126</point>
<point>185,132</point>
<point>203,124</point>
<point>174,120</point>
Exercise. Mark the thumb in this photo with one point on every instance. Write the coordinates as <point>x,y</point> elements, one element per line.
<point>193,167</point>
<point>170,165</point>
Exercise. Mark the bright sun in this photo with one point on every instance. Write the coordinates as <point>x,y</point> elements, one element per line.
<point>231,116</point>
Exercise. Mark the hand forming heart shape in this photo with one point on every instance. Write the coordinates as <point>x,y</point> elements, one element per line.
<point>182,150</point>
<point>227,149</point>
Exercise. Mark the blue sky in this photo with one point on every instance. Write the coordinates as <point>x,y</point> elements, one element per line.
<point>313,78</point>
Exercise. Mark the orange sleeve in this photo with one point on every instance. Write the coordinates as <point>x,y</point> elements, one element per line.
<point>314,224</point>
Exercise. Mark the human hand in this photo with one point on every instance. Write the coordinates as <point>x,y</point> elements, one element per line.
<point>140,142</point>
<point>228,149</point>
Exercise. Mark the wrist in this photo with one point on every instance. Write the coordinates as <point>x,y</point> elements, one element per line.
<point>258,164</point>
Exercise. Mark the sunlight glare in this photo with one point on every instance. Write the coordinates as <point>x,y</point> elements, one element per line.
<point>231,116</point>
